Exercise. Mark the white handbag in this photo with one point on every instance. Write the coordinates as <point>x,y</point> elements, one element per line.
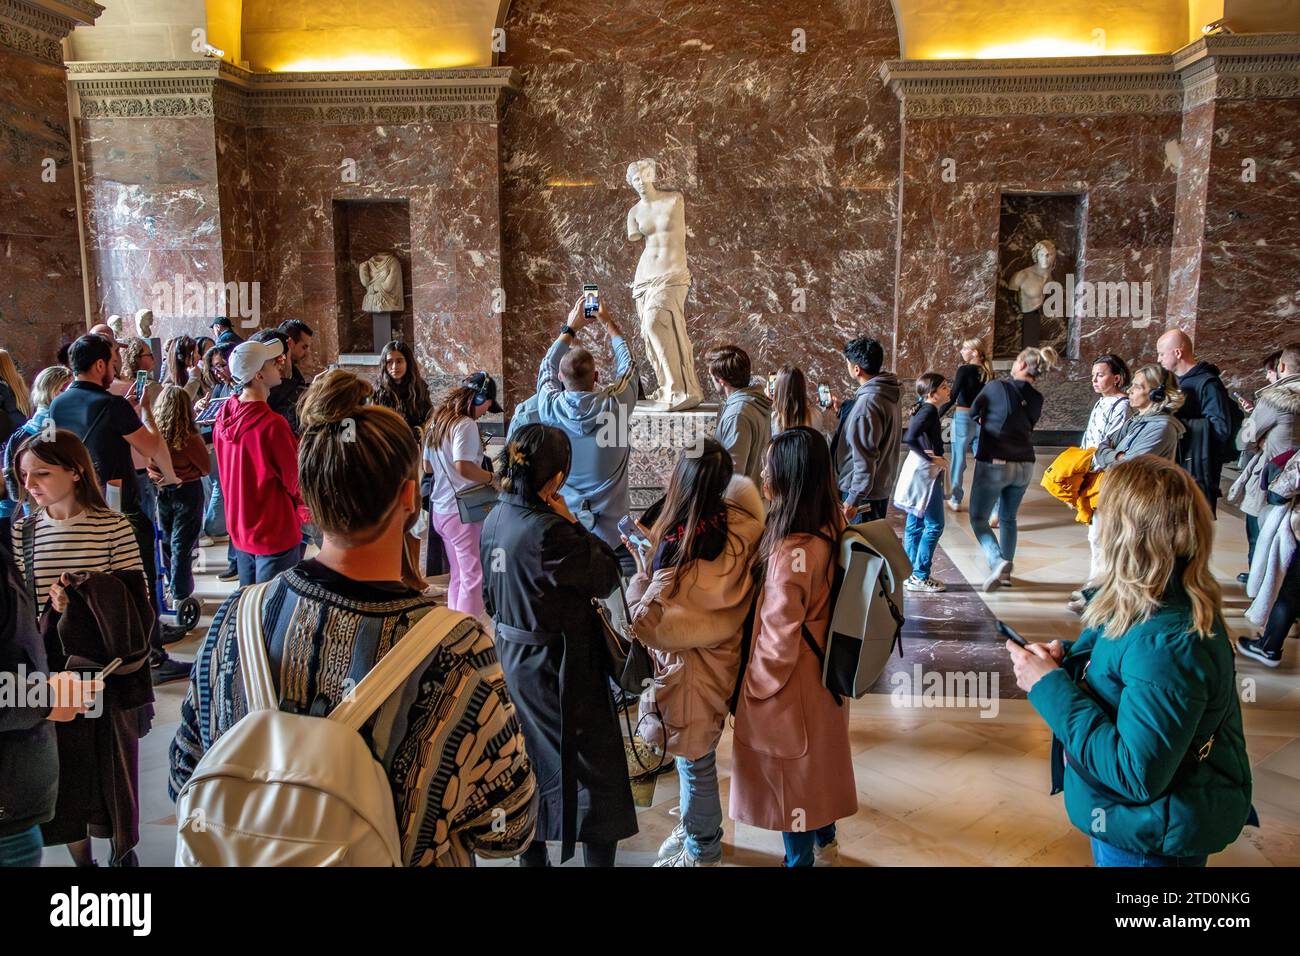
<point>281,789</point>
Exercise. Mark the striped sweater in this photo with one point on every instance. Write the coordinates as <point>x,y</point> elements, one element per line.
<point>454,752</point>
<point>94,541</point>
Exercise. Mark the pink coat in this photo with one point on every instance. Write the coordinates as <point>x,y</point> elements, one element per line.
<point>694,635</point>
<point>791,764</point>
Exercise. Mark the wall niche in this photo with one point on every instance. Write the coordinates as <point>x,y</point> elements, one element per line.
<point>362,228</point>
<point>1026,218</point>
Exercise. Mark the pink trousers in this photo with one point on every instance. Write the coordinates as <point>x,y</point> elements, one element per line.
<point>465,590</point>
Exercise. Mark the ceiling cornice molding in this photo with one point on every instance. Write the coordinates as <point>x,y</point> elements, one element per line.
<point>1214,67</point>
<point>216,88</point>
<point>36,28</point>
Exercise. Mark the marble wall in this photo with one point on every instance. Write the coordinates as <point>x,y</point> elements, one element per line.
<point>41,297</point>
<point>788,162</point>
<point>445,171</point>
<point>1248,293</point>
<point>153,219</point>
<point>948,259</point>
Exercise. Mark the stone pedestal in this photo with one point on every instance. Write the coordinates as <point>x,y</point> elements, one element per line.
<point>658,440</point>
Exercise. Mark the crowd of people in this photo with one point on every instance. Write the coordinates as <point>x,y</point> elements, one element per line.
<point>119,469</point>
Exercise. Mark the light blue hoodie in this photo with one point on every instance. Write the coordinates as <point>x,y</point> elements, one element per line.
<point>597,424</point>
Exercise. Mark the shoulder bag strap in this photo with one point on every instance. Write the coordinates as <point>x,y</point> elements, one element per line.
<point>396,666</point>
<point>254,664</point>
<point>821,659</point>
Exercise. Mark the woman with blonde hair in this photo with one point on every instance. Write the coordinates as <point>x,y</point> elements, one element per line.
<point>1007,411</point>
<point>1154,429</point>
<point>1151,743</point>
<point>972,375</point>
<point>15,402</point>
<point>49,384</point>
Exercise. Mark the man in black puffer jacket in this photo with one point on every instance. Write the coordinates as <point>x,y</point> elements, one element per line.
<point>1211,416</point>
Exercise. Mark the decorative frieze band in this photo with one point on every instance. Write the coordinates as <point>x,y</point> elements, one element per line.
<point>36,28</point>
<point>1215,67</point>
<point>214,88</point>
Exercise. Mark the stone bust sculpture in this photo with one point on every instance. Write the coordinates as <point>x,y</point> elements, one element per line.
<point>659,290</point>
<point>144,323</point>
<point>1029,282</point>
<point>118,325</point>
<point>381,274</point>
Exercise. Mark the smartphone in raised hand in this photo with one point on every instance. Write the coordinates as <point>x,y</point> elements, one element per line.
<point>590,300</point>
<point>1010,633</point>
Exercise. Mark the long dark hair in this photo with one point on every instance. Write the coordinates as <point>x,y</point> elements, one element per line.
<point>408,396</point>
<point>804,496</point>
<point>695,492</point>
<point>180,356</point>
<point>790,398</point>
<point>927,383</point>
<point>536,455</point>
<point>65,451</point>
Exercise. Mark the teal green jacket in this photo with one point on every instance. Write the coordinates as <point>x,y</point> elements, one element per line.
<point>1158,692</point>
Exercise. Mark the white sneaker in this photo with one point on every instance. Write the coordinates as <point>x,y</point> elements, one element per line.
<point>206,542</point>
<point>685,858</point>
<point>674,844</point>
<point>923,585</point>
<point>993,521</point>
<point>828,855</point>
<point>998,576</point>
<point>954,505</point>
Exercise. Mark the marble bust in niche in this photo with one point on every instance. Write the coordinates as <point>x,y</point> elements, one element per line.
<point>1030,285</point>
<point>381,274</point>
<point>660,287</point>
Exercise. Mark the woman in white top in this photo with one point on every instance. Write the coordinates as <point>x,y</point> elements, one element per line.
<point>70,530</point>
<point>453,454</point>
<point>1110,380</point>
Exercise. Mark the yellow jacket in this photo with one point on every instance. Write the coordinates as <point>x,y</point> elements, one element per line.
<point>1070,479</point>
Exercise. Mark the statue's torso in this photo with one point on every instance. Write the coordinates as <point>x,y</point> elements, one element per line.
<point>1030,283</point>
<point>662,222</point>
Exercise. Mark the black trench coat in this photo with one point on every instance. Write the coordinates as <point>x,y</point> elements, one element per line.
<point>540,573</point>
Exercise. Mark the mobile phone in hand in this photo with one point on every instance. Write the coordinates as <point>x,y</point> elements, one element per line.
<point>590,300</point>
<point>630,529</point>
<point>141,380</point>
<point>823,396</point>
<point>1011,634</point>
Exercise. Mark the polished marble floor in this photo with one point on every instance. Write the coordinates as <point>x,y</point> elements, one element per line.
<point>937,786</point>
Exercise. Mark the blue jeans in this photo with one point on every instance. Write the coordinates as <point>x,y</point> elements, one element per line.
<point>257,568</point>
<point>180,516</point>
<point>214,516</point>
<point>1003,487</point>
<point>965,437</point>
<point>799,846</point>
<point>701,806</point>
<point>22,848</point>
<point>1103,854</point>
<point>921,534</point>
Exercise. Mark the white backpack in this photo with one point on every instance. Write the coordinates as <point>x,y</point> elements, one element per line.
<point>866,608</point>
<point>281,789</point>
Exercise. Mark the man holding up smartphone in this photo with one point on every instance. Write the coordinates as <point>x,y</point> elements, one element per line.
<point>596,419</point>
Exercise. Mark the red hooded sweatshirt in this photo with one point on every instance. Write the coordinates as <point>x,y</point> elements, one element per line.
<point>257,459</point>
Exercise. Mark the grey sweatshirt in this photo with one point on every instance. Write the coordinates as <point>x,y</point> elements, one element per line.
<point>597,424</point>
<point>1156,434</point>
<point>745,430</point>
<point>871,441</point>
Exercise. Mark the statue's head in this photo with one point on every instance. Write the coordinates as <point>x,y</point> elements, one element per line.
<point>1044,253</point>
<point>641,173</point>
<point>144,322</point>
